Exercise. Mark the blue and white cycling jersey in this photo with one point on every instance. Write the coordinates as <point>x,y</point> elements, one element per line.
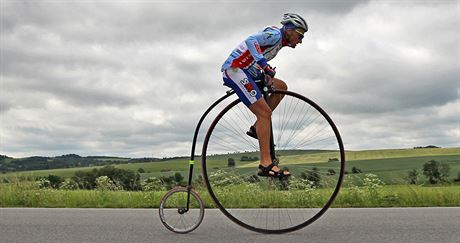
<point>244,64</point>
<point>252,54</point>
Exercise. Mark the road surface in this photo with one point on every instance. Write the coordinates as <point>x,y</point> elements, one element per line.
<point>143,225</point>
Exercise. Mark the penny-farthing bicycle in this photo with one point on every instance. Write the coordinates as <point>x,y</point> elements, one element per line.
<point>303,138</point>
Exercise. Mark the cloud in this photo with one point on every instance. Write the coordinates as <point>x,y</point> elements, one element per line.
<point>133,78</point>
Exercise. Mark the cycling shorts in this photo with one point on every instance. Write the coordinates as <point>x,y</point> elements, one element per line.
<point>243,84</point>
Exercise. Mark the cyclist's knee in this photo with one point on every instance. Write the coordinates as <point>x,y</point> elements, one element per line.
<point>280,84</point>
<point>261,110</point>
<point>265,113</point>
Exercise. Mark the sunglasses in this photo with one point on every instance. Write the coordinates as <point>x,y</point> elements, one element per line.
<point>300,34</point>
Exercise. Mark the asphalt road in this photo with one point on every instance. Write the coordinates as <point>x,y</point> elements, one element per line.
<point>143,225</point>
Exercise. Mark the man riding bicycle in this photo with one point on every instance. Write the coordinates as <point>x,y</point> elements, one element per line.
<point>246,65</point>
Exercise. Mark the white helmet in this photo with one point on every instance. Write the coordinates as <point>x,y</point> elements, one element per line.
<point>294,19</point>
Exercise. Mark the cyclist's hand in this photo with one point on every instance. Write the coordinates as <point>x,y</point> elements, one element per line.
<point>269,71</point>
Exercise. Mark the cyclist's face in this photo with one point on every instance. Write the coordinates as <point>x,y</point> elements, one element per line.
<point>295,36</point>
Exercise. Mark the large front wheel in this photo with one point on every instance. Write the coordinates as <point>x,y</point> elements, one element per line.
<point>306,141</point>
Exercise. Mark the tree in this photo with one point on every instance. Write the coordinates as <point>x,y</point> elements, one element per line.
<point>412,176</point>
<point>432,172</point>
<point>231,162</point>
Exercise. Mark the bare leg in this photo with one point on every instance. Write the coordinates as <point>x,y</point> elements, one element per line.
<point>275,99</point>
<point>263,113</point>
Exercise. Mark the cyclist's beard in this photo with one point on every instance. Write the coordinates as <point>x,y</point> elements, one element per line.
<point>288,40</point>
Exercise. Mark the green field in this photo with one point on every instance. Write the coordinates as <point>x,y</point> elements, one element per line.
<point>390,165</point>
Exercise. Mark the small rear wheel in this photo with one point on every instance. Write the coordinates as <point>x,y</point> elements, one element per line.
<point>174,213</point>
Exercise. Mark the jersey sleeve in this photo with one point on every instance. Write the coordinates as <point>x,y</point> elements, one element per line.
<point>268,37</point>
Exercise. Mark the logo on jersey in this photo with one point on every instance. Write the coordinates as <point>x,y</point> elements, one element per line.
<point>249,87</point>
<point>268,35</point>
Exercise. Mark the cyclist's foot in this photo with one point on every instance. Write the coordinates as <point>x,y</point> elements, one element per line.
<point>252,132</point>
<point>272,170</point>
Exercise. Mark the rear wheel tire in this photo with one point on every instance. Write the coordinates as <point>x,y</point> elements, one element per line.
<point>173,213</point>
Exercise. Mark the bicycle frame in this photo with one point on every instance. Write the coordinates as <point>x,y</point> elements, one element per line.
<point>265,91</point>
<point>195,137</point>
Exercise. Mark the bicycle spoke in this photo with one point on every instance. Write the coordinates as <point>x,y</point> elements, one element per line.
<point>305,142</point>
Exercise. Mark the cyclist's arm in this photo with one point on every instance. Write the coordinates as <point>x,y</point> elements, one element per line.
<point>267,37</point>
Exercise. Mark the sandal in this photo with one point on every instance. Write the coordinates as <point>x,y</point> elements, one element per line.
<point>252,132</point>
<point>269,172</point>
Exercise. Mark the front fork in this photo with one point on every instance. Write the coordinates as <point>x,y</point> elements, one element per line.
<point>192,156</point>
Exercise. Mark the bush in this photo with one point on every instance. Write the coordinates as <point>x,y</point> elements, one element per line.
<point>231,162</point>
<point>372,183</point>
<point>436,172</point>
<point>50,181</point>
<point>458,177</point>
<point>178,178</point>
<point>412,176</point>
<point>127,179</point>
<point>331,172</point>
<point>300,184</point>
<point>104,183</point>
<point>68,185</point>
<point>221,178</point>
<point>313,176</point>
<point>252,178</point>
<point>43,183</point>
<point>356,170</point>
<point>152,184</point>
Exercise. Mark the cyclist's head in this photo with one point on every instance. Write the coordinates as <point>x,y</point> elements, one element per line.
<point>294,21</point>
<point>295,28</point>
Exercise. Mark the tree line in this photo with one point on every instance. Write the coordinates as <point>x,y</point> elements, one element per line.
<point>8,164</point>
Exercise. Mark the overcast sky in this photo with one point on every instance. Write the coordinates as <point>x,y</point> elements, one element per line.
<point>131,78</point>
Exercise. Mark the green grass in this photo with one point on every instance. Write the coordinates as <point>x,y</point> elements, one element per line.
<point>28,195</point>
<point>391,166</point>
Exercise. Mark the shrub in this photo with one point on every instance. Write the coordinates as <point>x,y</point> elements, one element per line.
<point>372,183</point>
<point>68,185</point>
<point>313,176</point>
<point>104,183</point>
<point>178,178</point>
<point>231,162</point>
<point>436,172</point>
<point>50,181</point>
<point>152,184</point>
<point>127,179</point>
<point>43,183</point>
<point>356,170</point>
<point>458,177</point>
<point>331,172</point>
<point>221,178</point>
<point>412,176</point>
